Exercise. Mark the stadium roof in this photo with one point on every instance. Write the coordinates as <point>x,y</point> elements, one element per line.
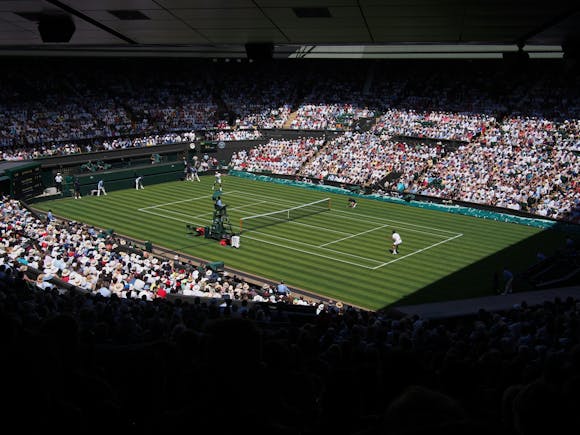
<point>293,28</point>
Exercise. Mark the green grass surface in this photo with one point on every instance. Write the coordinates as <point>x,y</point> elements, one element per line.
<point>341,254</point>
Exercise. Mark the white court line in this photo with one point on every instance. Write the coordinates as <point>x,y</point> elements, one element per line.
<point>182,200</point>
<point>416,252</point>
<point>403,224</point>
<point>284,221</point>
<point>348,254</point>
<point>175,212</point>
<point>328,230</point>
<point>353,235</point>
<point>169,217</point>
<point>383,226</point>
<point>277,244</point>
<point>146,210</point>
<point>276,199</point>
<point>356,217</point>
<point>311,253</point>
<point>210,213</point>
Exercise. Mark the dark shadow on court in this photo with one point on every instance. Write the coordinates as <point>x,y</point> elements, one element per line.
<point>485,277</point>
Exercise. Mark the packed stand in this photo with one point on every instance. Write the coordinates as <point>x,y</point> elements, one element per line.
<point>175,105</point>
<point>41,104</point>
<point>471,87</point>
<point>279,156</point>
<point>552,93</point>
<point>434,125</point>
<point>261,96</point>
<point>46,104</point>
<point>335,99</point>
<point>99,262</point>
<point>511,119</point>
<point>518,164</point>
<point>92,361</point>
<point>148,141</point>
<point>365,159</point>
<point>231,135</point>
<point>65,149</point>
<point>328,116</point>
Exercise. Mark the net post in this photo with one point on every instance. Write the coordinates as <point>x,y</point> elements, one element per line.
<point>330,203</point>
<point>241,224</point>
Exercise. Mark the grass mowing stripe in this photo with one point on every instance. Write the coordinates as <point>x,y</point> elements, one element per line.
<point>309,246</point>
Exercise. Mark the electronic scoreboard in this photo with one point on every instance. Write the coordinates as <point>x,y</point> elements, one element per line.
<point>25,181</point>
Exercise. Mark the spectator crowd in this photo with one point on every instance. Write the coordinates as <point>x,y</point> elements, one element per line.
<point>98,335</point>
<point>94,351</point>
<point>442,132</point>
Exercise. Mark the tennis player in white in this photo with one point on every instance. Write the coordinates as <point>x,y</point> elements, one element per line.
<point>217,185</point>
<point>396,242</point>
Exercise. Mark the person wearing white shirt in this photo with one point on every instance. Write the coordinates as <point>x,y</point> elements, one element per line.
<point>217,185</point>
<point>58,182</point>
<point>397,241</point>
<point>104,291</point>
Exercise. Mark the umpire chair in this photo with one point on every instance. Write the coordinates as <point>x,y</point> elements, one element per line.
<point>221,227</point>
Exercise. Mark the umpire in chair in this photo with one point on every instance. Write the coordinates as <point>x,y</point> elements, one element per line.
<point>219,205</point>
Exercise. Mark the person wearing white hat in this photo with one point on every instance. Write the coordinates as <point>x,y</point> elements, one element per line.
<point>117,287</point>
<point>76,279</point>
<point>50,271</point>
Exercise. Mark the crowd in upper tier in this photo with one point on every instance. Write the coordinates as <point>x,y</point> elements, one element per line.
<point>107,144</point>
<point>522,164</point>
<point>515,134</point>
<point>279,156</point>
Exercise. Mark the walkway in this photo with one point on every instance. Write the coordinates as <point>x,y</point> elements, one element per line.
<point>489,303</point>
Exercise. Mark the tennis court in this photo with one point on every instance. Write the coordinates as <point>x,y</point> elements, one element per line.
<point>342,236</point>
<point>341,253</point>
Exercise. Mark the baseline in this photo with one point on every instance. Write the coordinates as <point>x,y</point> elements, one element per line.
<point>417,252</point>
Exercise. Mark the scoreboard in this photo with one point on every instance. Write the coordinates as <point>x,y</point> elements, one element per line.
<point>25,181</point>
<point>208,146</point>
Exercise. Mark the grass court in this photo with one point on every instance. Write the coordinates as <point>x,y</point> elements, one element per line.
<point>342,253</point>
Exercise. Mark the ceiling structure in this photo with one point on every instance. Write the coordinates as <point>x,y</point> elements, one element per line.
<point>295,28</point>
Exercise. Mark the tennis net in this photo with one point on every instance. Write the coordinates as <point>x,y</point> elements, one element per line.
<point>262,220</point>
